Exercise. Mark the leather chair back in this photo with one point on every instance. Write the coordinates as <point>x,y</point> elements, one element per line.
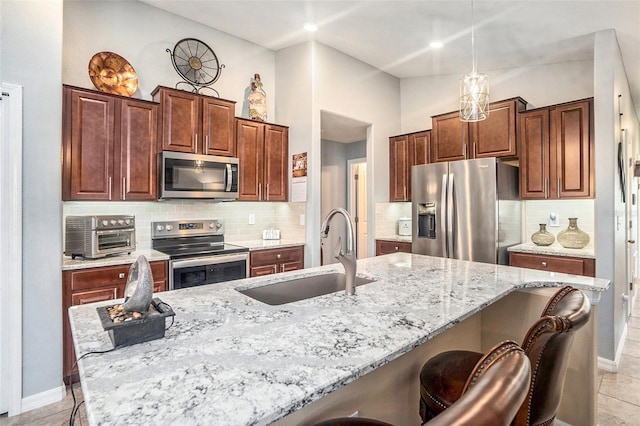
<point>494,391</point>
<point>547,344</point>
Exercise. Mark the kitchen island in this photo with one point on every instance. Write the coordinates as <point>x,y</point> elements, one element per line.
<point>231,360</point>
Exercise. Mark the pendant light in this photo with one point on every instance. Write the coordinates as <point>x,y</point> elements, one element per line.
<point>474,88</point>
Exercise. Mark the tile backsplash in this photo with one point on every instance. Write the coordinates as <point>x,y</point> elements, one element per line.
<point>284,216</point>
<point>538,211</point>
<point>387,215</point>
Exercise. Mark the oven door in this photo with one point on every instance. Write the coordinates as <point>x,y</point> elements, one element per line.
<point>197,271</point>
<point>113,241</point>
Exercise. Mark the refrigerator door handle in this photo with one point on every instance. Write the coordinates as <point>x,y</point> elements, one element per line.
<point>443,217</point>
<point>450,224</point>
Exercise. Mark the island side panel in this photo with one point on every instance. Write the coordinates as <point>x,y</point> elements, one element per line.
<point>390,393</point>
<point>511,317</point>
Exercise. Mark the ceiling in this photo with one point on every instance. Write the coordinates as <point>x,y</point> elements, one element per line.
<point>394,36</point>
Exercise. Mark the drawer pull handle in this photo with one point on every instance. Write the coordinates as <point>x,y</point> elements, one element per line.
<point>121,275</point>
<point>544,264</point>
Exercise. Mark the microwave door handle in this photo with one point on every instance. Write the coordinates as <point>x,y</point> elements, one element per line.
<point>229,178</point>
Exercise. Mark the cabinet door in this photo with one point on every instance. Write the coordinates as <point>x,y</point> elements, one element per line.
<point>218,118</point>
<point>496,136</point>
<point>534,154</point>
<point>450,136</point>
<point>250,141</point>
<point>419,153</point>
<point>398,166</point>
<point>137,165</point>
<point>259,271</point>
<point>571,151</point>
<point>88,145</point>
<point>180,120</point>
<point>276,162</point>
<point>290,266</point>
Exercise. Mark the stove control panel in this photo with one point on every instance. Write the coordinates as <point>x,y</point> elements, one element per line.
<point>186,228</point>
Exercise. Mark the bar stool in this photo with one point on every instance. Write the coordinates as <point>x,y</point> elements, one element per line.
<point>547,344</point>
<point>491,396</point>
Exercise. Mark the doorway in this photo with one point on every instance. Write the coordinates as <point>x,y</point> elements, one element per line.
<point>343,142</point>
<point>357,196</point>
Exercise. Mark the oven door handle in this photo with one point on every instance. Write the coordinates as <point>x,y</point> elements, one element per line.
<point>210,260</point>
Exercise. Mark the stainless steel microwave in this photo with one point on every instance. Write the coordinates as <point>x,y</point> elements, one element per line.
<point>184,175</point>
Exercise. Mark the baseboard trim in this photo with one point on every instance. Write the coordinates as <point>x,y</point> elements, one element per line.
<point>44,398</point>
<point>609,365</point>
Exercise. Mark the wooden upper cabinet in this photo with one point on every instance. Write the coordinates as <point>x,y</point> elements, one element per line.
<point>276,162</point>
<point>497,136</point>
<point>557,149</point>
<point>263,153</point>
<point>195,123</point>
<point>450,137</point>
<point>494,137</point>
<point>534,154</point>
<point>138,144</point>
<point>406,151</point>
<point>109,146</point>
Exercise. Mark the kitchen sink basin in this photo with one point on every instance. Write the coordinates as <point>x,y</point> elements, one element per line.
<point>301,288</point>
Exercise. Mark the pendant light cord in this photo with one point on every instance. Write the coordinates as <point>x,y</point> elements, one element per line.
<point>473,44</point>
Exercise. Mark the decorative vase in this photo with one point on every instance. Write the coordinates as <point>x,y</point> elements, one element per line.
<point>257,100</point>
<point>573,237</point>
<point>542,237</point>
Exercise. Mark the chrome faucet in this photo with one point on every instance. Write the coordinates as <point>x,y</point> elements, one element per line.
<point>347,259</point>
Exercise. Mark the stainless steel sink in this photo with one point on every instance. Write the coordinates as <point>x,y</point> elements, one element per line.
<point>301,288</point>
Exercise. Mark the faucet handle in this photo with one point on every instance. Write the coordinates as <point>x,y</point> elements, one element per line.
<point>337,252</point>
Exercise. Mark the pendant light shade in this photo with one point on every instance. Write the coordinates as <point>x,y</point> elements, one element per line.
<point>474,97</point>
<point>474,88</point>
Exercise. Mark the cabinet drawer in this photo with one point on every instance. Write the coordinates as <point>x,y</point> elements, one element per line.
<point>388,247</point>
<point>567,265</point>
<point>271,256</point>
<point>91,296</point>
<point>99,277</point>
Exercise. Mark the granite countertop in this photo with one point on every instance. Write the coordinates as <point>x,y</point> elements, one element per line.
<point>121,259</point>
<point>554,249</point>
<point>396,238</point>
<point>231,360</point>
<point>253,245</point>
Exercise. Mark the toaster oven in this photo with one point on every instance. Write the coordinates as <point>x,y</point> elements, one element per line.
<point>93,237</point>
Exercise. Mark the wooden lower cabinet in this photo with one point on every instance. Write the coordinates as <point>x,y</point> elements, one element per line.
<point>273,261</point>
<point>388,247</point>
<point>82,286</point>
<point>564,264</point>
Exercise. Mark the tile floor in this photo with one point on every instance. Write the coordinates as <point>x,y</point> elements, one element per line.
<point>618,393</point>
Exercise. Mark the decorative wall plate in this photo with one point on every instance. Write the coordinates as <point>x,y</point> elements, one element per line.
<point>111,73</point>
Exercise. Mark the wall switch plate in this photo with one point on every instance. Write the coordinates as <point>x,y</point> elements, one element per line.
<point>252,219</point>
<point>554,219</point>
<point>302,219</point>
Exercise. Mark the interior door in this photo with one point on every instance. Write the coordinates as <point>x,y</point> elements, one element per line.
<point>358,203</point>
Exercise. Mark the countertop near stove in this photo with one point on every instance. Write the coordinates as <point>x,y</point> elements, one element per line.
<point>254,245</point>
<point>231,360</point>
<point>122,259</point>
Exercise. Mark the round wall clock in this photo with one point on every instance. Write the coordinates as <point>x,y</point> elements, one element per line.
<point>196,63</point>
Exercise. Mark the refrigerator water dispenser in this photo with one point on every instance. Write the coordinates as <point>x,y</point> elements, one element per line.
<point>427,220</point>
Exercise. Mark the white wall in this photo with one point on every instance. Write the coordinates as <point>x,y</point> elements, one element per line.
<point>141,34</point>
<point>31,46</point>
<point>540,85</point>
<point>610,81</point>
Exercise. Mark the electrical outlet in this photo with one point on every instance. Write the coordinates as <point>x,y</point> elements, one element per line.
<point>302,219</point>
<point>252,219</point>
<point>554,219</point>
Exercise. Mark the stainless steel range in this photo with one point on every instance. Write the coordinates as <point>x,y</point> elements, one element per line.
<point>198,253</point>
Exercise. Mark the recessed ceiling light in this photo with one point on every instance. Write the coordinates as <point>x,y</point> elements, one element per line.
<point>436,44</point>
<point>311,27</point>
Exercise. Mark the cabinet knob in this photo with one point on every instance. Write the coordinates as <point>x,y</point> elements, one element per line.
<point>121,275</point>
<point>278,256</point>
<point>396,248</point>
<point>544,264</point>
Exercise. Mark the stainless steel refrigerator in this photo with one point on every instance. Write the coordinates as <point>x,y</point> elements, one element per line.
<point>467,210</point>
